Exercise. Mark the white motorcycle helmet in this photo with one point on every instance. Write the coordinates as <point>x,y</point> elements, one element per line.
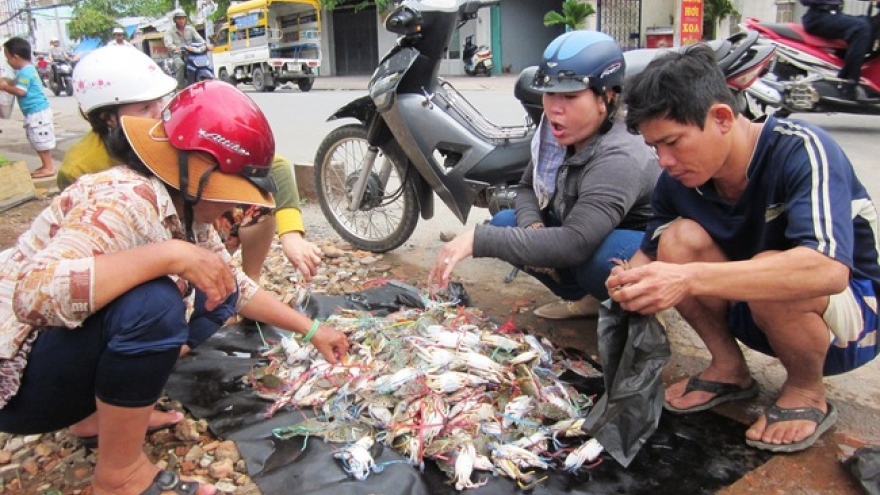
<point>110,76</point>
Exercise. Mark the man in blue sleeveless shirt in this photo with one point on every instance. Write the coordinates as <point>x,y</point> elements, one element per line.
<point>762,234</point>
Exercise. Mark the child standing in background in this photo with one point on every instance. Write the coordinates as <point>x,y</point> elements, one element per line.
<point>28,87</point>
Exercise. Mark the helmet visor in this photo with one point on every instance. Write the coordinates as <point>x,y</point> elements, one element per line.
<point>564,82</point>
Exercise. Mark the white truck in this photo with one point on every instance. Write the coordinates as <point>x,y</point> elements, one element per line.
<point>267,43</point>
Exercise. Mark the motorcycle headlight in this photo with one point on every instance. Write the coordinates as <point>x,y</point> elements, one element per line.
<point>382,90</point>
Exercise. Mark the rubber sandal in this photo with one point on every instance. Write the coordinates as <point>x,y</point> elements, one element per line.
<point>91,442</point>
<point>170,481</point>
<point>42,175</point>
<point>776,414</point>
<point>724,392</point>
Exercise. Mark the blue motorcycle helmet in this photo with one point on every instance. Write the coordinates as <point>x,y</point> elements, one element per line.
<point>580,60</point>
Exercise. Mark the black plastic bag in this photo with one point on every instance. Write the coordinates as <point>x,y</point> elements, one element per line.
<point>865,466</point>
<point>633,349</point>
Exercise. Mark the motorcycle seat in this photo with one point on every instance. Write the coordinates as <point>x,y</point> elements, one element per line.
<point>795,31</point>
<point>530,98</point>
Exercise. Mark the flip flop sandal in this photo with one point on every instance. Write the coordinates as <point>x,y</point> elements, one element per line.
<point>724,392</point>
<point>776,414</point>
<point>91,442</point>
<point>170,481</point>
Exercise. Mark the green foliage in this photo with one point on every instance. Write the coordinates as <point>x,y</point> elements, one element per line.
<point>381,5</point>
<point>713,12</point>
<point>97,18</point>
<point>716,10</point>
<point>574,14</point>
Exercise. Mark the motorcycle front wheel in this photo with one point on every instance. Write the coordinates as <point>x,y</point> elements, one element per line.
<point>68,86</point>
<point>388,212</point>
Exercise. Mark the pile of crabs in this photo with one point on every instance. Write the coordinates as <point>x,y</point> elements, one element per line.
<point>444,383</point>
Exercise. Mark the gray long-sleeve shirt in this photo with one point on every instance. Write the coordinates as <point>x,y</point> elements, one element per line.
<point>606,185</point>
<point>175,41</point>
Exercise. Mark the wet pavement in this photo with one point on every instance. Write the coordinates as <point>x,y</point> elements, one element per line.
<point>815,471</point>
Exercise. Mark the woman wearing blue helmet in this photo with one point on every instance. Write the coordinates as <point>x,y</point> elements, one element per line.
<point>584,199</point>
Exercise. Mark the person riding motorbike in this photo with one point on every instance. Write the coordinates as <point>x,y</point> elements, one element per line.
<point>43,69</point>
<point>584,199</point>
<point>57,53</point>
<point>119,38</point>
<point>176,39</point>
<point>825,18</point>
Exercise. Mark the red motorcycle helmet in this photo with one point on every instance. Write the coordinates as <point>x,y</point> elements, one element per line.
<point>216,118</point>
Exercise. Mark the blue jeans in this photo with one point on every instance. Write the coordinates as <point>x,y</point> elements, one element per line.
<point>123,355</point>
<point>588,278</point>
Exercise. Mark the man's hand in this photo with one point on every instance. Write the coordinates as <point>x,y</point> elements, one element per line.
<point>454,251</point>
<point>304,255</point>
<point>649,288</point>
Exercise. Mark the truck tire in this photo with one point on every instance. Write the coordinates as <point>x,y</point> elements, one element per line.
<point>224,76</point>
<point>258,80</point>
<point>305,85</point>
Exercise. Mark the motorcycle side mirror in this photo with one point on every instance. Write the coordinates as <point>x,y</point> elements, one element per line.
<point>404,21</point>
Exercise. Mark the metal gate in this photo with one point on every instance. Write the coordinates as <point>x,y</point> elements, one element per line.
<point>622,20</point>
<point>355,40</point>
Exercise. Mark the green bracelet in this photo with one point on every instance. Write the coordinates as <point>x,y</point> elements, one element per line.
<point>312,331</point>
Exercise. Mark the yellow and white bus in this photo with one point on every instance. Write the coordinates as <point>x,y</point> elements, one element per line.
<point>267,43</point>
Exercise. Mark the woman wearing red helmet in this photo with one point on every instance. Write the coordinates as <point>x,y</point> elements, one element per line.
<point>110,83</point>
<point>124,268</point>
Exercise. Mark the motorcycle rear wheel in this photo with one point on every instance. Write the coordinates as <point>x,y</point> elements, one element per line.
<point>758,111</point>
<point>388,213</point>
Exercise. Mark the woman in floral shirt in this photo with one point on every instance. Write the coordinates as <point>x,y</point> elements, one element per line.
<point>123,269</point>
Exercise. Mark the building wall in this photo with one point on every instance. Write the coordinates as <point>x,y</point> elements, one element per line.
<point>48,22</point>
<point>523,34</point>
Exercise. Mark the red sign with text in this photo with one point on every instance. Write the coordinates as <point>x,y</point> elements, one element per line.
<point>691,22</point>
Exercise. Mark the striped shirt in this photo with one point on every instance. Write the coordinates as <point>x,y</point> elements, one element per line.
<point>802,191</point>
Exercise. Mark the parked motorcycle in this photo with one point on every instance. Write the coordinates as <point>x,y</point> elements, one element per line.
<point>61,80</point>
<point>477,60</point>
<point>45,75</point>
<point>417,136</point>
<point>803,78</point>
<point>197,63</point>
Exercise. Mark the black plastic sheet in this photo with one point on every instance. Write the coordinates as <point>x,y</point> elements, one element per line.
<point>633,349</point>
<point>381,301</point>
<point>865,466</point>
<point>695,454</point>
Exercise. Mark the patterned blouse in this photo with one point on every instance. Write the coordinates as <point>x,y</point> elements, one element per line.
<point>47,279</point>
